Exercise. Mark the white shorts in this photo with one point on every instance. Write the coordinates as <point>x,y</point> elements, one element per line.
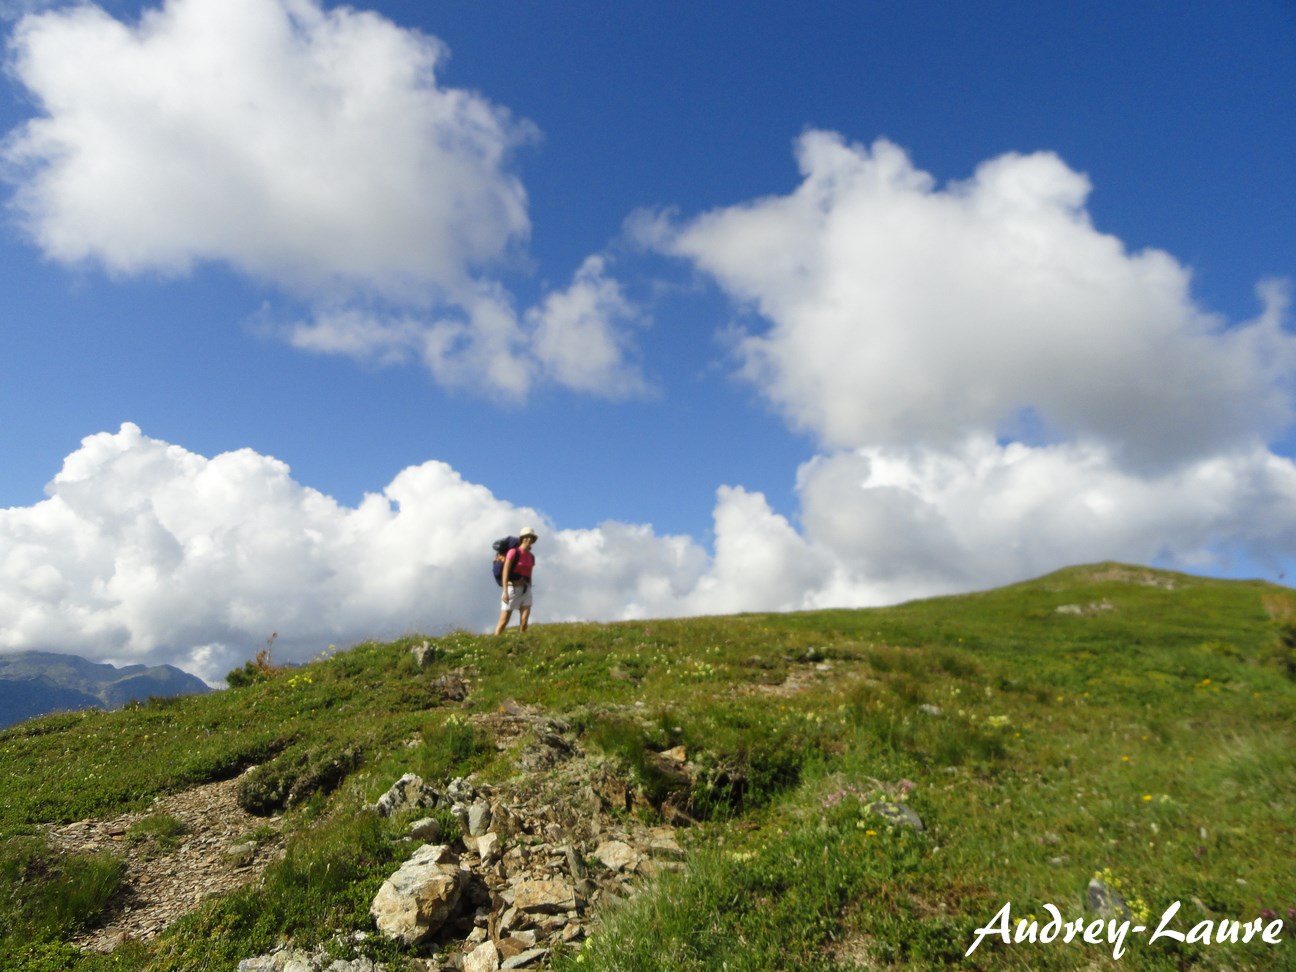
<point>519,596</point>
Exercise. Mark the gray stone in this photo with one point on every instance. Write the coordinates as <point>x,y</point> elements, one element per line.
<point>409,792</point>
<point>426,829</point>
<point>575,866</point>
<point>461,791</point>
<point>451,687</point>
<point>419,898</point>
<point>1105,901</point>
<point>523,959</point>
<point>898,813</point>
<point>543,897</point>
<point>516,943</point>
<point>663,845</point>
<point>483,958</point>
<point>424,655</point>
<point>479,818</point>
<point>487,846</point>
<point>285,958</point>
<point>617,855</point>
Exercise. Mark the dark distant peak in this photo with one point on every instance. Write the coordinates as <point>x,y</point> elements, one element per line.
<point>37,682</point>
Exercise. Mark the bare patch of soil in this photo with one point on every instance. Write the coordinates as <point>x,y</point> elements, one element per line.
<point>214,854</point>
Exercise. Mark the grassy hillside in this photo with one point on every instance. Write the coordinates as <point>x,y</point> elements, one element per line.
<point>1103,720</point>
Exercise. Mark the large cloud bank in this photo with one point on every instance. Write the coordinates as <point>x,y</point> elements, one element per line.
<point>144,551</point>
<point>314,151</point>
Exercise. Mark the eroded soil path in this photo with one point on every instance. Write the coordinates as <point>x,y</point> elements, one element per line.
<point>214,853</point>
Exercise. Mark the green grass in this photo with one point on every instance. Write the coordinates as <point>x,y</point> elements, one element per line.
<point>1144,731</point>
<point>158,830</point>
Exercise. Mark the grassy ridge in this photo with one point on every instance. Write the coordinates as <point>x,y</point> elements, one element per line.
<point>1101,719</point>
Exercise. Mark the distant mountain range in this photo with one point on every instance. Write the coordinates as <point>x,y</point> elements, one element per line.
<point>34,683</point>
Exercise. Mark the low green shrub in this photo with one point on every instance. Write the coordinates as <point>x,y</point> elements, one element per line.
<point>294,777</point>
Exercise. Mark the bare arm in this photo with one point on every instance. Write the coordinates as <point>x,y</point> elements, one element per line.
<point>504,575</point>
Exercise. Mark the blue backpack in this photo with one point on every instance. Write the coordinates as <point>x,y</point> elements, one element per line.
<point>502,548</point>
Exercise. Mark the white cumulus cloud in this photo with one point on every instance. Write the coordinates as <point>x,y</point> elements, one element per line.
<point>312,150</point>
<point>896,311</point>
<point>298,145</point>
<point>580,335</point>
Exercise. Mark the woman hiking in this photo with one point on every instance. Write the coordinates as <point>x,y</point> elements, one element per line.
<point>515,580</point>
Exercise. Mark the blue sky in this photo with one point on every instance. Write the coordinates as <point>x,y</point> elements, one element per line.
<point>744,306</point>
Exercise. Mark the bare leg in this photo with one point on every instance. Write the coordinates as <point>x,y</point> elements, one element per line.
<point>524,616</point>
<point>504,620</point>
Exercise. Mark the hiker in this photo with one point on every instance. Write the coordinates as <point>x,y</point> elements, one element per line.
<point>516,582</point>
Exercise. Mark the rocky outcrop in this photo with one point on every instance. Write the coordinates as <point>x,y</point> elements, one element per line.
<point>409,792</point>
<point>525,873</point>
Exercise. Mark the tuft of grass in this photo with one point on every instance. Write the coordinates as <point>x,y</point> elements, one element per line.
<point>445,747</point>
<point>162,830</point>
<point>45,895</point>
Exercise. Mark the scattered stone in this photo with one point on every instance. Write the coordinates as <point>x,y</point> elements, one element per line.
<point>573,933</point>
<point>162,886</point>
<point>663,845</point>
<point>416,900</point>
<point>1105,901</point>
<point>898,813</point>
<point>617,855</point>
<point>288,959</point>
<point>517,943</point>
<point>931,710</point>
<point>409,792</point>
<point>426,829</point>
<point>546,750</point>
<point>523,959</point>
<point>522,885</point>
<point>424,655</point>
<point>483,958</point>
<point>612,793</point>
<point>1085,610</point>
<point>542,897</point>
